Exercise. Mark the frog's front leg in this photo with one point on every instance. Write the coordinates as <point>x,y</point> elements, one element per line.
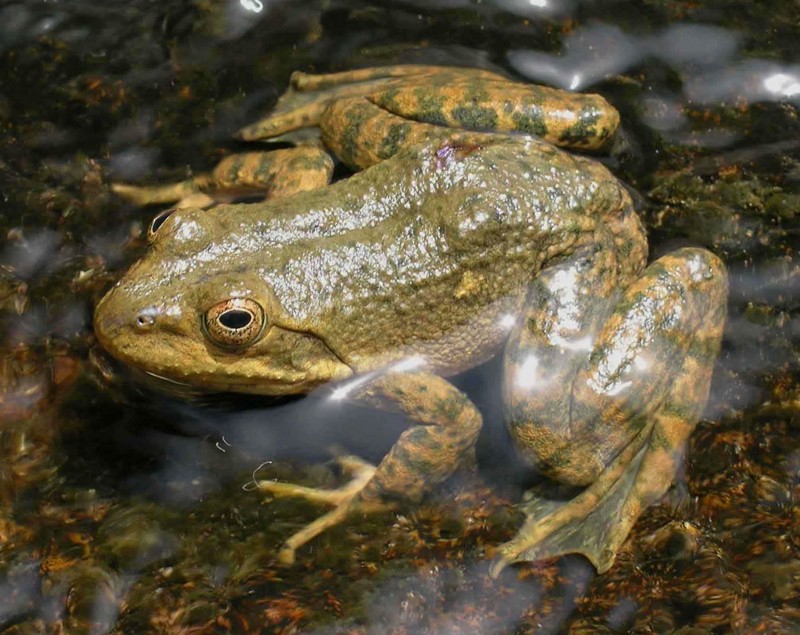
<point>442,439</point>
<point>640,368</point>
<point>272,174</point>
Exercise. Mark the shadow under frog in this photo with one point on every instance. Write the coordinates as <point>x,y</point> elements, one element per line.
<point>450,246</point>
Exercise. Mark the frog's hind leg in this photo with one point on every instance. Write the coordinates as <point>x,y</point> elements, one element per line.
<point>309,95</point>
<point>309,81</point>
<point>272,174</point>
<point>632,408</point>
<point>443,439</point>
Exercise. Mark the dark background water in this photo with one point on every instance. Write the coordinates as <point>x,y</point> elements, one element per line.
<point>123,511</point>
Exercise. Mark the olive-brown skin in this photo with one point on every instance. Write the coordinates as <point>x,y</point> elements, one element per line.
<point>450,247</point>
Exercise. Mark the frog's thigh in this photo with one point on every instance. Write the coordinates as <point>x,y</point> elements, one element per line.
<point>654,357</point>
<point>666,325</point>
<point>567,304</point>
<point>277,173</point>
<point>446,426</point>
<point>362,134</point>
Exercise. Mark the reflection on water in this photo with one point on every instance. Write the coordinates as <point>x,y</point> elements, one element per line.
<point>598,51</point>
<point>130,511</point>
<point>751,80</point>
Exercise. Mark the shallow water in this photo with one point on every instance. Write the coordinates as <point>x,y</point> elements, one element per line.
<point>128,511</point>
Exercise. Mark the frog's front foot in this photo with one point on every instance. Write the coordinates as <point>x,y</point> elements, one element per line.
<point>425,455</point>
<point>345,500</point>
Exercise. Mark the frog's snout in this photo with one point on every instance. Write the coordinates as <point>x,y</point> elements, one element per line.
<point>117,319</point>
<point>107,322</point>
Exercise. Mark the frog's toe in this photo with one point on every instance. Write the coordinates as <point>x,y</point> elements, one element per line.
<point>360,470</point>
<point>349,505</point>
<point>141,195</point>
<point>299,116</point>
<point>345,500</point>
<point>286,555</point>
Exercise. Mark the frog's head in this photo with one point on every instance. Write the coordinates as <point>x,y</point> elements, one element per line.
<point>194,311</point>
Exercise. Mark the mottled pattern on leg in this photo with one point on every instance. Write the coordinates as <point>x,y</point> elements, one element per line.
<point>362,134</point>
<point>660,322</point>
<point>277,173</point>
<point>672,424</point>
<point>461,99</point>
<point>309,95</point>
<point>683,404</point>
<point>644,389</point>
<point>474,99</point>
<point>567,305</point>
<point>425,455</point>
<point>416,100</point>
<point>637,356</point>
<point>447,426</point>
<point>271,174</point>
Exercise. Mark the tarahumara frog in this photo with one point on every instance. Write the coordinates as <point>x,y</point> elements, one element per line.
<point>455,244</point>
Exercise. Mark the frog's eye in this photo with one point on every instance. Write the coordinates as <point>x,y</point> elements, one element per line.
<point>158,221</point>
<point>234,323</point>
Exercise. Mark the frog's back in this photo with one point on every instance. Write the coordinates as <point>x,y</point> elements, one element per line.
<point>432,249</point>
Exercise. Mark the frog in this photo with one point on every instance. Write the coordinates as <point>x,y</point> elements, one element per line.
<point>450,245</point>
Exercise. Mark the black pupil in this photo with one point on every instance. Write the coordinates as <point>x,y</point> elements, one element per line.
<point>235,319</point>
<point>158,221</point>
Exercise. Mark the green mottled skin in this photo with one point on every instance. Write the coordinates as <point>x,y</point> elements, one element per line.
<point>446,252</point>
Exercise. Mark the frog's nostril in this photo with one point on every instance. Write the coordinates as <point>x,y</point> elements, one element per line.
<point>144,321</point>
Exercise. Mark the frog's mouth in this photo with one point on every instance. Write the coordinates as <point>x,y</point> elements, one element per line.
<point>193,386</point>
<point>127,381</point>
<point>189,392</point>
<point>113,372</point>
<point>166,380</point>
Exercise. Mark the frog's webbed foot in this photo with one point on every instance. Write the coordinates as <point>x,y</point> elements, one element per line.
<point>345,501</point>
<point>596,522</point>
